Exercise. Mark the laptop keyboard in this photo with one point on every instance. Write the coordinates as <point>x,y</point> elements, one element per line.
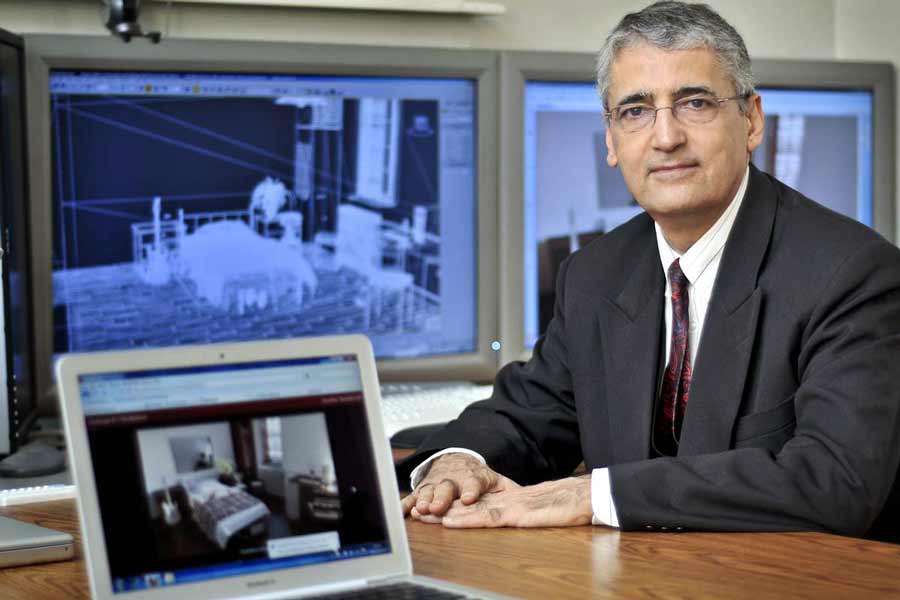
<point>396,591</point>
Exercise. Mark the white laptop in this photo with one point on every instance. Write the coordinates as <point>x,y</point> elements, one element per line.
<point>253,470</point>
<point>26,543</point>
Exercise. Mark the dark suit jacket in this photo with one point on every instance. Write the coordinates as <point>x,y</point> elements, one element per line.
<point>793,421</point>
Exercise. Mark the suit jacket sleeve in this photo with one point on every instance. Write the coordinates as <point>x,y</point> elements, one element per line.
<point>528,429</point>
<point>836,471</point>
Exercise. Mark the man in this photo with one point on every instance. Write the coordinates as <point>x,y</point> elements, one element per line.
<point>726,361</point>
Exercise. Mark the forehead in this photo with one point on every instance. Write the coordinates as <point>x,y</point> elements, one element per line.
<point>657,73</point>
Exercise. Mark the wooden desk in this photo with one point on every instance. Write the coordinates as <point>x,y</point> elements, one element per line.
<point>578,562</point>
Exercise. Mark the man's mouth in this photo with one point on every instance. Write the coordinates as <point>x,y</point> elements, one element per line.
<point>673,167</point>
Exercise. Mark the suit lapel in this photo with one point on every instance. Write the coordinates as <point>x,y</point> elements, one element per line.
<point>730,327</point>
<point>631,328</point>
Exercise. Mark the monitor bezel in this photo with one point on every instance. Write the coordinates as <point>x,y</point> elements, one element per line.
<point>48,52</point>
<point>517,67</point>
<point>20,415</point>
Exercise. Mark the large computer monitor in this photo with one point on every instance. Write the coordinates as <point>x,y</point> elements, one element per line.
<point>17,398</point>
<point>829,134</point>
<point>201,191</point>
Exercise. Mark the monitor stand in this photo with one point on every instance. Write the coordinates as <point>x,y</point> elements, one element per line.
<point>33,460</point>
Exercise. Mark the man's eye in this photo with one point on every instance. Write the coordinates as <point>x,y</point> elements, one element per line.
<point>697,103</point>
<point>632,112</point>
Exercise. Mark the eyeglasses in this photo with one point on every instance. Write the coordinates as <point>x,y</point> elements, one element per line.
<point>694,110</point>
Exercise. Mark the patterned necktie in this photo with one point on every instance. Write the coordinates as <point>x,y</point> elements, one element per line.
<point>676,383</point>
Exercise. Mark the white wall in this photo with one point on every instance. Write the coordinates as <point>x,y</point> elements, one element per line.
<point>305,446</point>
<point>156,453</point>
<point>795,28</point>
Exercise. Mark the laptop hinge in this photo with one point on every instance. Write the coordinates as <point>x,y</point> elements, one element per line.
<point>316,590</point>
<point>386,580</point>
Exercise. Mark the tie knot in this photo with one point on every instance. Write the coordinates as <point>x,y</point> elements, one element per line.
<point>677,278</point>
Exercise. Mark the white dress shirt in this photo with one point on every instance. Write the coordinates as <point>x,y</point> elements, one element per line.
<point>700,264</point>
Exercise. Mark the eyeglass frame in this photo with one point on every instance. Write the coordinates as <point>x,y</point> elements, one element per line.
<point>719,100</point>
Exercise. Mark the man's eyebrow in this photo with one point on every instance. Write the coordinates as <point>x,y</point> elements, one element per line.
<point>643,97</point>
<point>693,90</point>
<point>636,97</point>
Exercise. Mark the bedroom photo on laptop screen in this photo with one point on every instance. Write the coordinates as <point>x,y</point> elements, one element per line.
<point>209,472</point>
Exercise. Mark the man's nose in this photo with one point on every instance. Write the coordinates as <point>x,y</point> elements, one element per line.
<point>668,133</point>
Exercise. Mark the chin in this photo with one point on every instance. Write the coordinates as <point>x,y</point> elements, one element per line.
<point>672,199</point>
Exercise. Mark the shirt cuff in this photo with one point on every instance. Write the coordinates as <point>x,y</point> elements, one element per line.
<point>602,500</point>
<point>419,472</point>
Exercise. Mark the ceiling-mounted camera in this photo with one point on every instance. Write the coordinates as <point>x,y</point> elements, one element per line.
<point>121,18</point>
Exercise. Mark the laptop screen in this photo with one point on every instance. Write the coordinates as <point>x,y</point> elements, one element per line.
<point>224,470</point>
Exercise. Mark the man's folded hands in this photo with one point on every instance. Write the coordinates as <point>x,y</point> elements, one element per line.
<point>460,492</point>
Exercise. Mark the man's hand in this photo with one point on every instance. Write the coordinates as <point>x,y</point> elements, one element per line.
<point>561,503</point>
<point>459,491</point>
<point>453,477</point>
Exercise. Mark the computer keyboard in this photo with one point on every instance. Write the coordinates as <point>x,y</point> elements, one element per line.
<point>405,405</point>
<point>39,493</point>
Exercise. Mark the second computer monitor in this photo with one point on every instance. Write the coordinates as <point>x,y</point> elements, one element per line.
<point>819,139</point>
<point>206,191</point>
<point>201,207</point>
<point>17,395</point>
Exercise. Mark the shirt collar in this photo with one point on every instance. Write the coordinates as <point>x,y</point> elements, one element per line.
<point>699,256</point>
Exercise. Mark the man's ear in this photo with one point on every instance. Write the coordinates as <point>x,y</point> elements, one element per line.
<point>612,159</point>
<point>756,120</point>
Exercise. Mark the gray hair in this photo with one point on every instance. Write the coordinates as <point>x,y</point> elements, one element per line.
<point>671,25</point>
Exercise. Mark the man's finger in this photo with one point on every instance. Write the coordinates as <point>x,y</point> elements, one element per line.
<point>407,503</point>
<point>417,516</point>
<point>431,519</point>
<point>445,493</point>
<point>472,488</point>
<point>481,514</point>
<point>425,496</point>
